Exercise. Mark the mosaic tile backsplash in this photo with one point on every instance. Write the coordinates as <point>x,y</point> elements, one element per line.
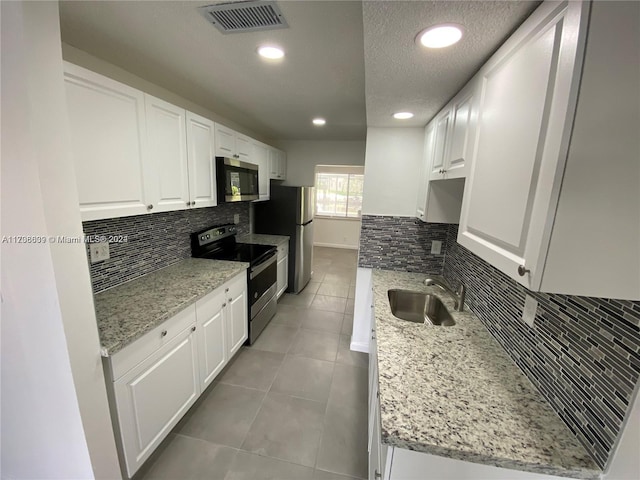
<point>583,354</point>
<point>155,240</point>
<point>401,243</point>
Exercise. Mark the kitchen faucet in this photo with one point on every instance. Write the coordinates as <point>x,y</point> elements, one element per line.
<point>458,295</point>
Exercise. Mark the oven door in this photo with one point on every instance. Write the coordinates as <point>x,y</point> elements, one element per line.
<point>237,181</point>
<point>262,284</point>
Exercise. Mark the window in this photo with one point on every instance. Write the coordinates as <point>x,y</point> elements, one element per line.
<point>339,191</point>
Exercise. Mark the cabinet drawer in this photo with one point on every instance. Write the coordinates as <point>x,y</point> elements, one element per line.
<point>283,250</point>
<point>133,354</point>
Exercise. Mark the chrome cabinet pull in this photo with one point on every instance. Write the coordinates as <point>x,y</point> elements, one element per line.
<point>150,207</point>
<point>193,329</point>
<point>522,270</point>
<point>163,333</point>
<point>377,474</point>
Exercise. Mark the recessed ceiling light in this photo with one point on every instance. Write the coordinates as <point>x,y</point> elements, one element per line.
<point>319,121</point>
<point>403,115</point>
<point>440,36</point>
<point>271,52</point>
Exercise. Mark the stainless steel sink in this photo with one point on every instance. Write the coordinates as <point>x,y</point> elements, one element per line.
<point>419,307</point>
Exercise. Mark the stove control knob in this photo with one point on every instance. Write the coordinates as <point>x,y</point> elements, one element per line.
<point>255,295</point>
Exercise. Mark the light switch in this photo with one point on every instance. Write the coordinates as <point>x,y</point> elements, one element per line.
<point>436,247</point>
<point>99,251</point>
<point>529,312</point>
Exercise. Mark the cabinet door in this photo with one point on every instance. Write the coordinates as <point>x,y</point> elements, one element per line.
<point>166,134</point>
<point>225,141</point>
<point>201,155</point>
<point>427,158</point>
<point>236,314</point>
<point>457,152</point>
<point>260,156</point>
<point>243,147</point>
<point>283,270</point>
<point>282,165</point>
<point>152,397</point>
<point>440,146</point>
<point>212,341</point>
<point>108,140</point>
<point>274,165</point>
<point>529,89</point>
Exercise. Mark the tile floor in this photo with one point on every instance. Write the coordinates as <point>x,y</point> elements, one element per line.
<point>292,406</point>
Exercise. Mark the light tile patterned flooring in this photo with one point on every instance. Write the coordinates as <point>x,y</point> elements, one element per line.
<point>292,406</point>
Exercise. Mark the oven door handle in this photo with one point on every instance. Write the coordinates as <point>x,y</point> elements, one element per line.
<point>263,266</point>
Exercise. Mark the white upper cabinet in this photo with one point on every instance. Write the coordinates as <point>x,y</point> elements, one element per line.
<point>166,134</point>
<point>438,201</point>
<point>457,156</point>
<point>441,132</point>
<point>225,141</point>
<point>260,156</point>
<point>453,128</point>
<point>277,164</point>
<point>201,155</point>
<point>108,140</point>
<point>528,96</point>
<point>232,144</point>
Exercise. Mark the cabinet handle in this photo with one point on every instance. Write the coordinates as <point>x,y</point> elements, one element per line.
<point>377,474</point>
<point>163,333</point>
<point>230,300</point>
<point>188,203</point>
<point>522,270</point>
<point>224,305</point>
<point>193,203</point>
<point>193,329</point>
<point>150,207</point>
<point>226,290</point>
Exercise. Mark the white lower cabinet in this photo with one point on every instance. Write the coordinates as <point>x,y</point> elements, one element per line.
<point>212,342</point>
<point>153,396</point>
<point>283,269</point>
<point>157,378</point>
<point>235,313</point>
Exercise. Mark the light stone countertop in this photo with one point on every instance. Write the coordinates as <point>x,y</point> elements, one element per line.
<point>128,311</point>
<point>264,239</point>
<point>454,392</point>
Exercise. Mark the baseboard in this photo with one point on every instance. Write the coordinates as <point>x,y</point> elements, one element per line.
<point>336,245</point>
<point>359,346</point>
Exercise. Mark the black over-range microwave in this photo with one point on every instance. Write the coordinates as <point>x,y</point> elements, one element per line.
<point>237,181</point>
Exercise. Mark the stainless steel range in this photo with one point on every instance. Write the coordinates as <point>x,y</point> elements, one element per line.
<point>219,243</point>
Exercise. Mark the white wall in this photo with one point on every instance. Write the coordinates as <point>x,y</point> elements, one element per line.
<point>55,417</point>
<point>392,166</point>
<point>304,155</point>
<point>337,233</point>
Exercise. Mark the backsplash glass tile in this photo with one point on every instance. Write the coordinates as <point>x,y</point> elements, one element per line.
<point>401,243</point>
<point>583,353</point>
<point>154,241</point>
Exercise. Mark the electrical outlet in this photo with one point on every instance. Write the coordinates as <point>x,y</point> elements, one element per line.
<point>236,218</point>
<point>436,247</point>
<point>529,311</point>
<point>99,251</point>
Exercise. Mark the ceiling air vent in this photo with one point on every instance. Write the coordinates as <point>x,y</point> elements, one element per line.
<point>244,16</point>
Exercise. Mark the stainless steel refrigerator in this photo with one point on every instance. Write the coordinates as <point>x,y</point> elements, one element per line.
<point>289,211</point>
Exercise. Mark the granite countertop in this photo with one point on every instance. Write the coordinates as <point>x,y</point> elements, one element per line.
<point>454,392</point>
<point>130,310</point>
<point>264,239</point>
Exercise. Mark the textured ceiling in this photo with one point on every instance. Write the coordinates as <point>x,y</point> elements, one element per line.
<point>401,75</point>
<point>331,46</point>
<point>171,44</point>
